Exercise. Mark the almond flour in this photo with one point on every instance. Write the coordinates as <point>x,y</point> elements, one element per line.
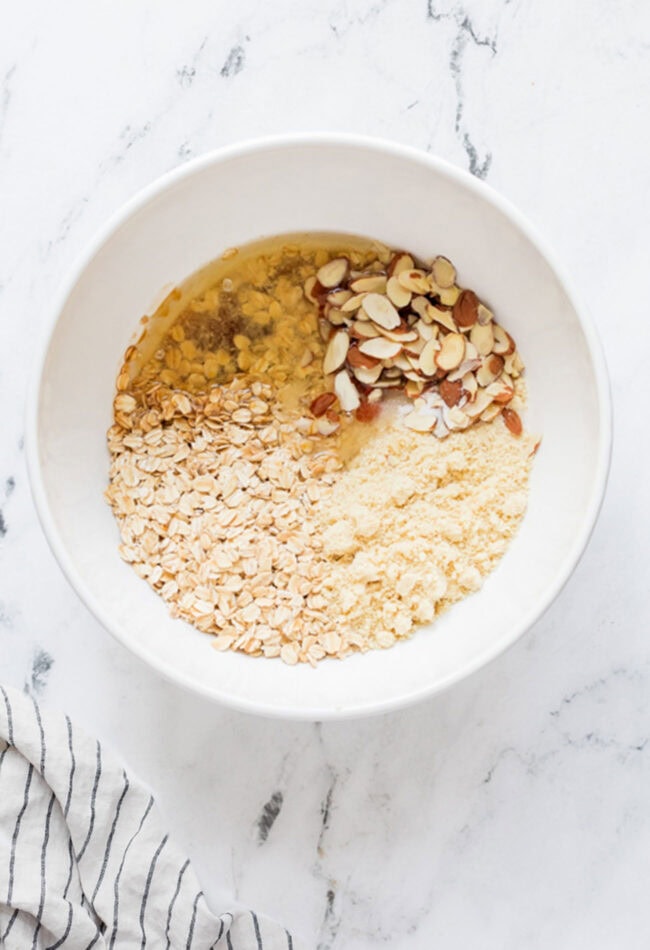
<point>288,521</point>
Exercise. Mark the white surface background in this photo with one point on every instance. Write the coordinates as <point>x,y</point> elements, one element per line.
<point>513,811</point>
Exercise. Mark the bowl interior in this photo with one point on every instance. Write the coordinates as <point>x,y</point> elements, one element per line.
<point>406,201</point>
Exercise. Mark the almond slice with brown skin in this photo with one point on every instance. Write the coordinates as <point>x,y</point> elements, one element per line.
<point>369,284</point>
<point>419,306</point>
<point>414,280</point>
<point>446,295</point>
<point>400,335</point>
<point>443,273</point>
<point>400,262</point>
<point>381,311</point>
<point>333,273</point>
<point>482,337</point>
<point>322,403</point>
<point>416,347</point>
<point>452,351</point>
<point>443,317</point>
<point>361,330</point>
<point>346,391</point>
<point>491,412</point>
<point>503,342</point>
<point>402,362</point>
<point>466,309</point>
<point>308,288</point>
<point>338,297</point>
<point>368,375</point>
<point>513,422</point>
<point>356,358</point>
<point>467,366</point>
<point>427,359</point>
<point>336,317</point>
<point>484,315</point>
<point>451,392</point>
<point>480,403</point>
<point>352,303</point>
<point>514,365</point>
<point>337,350</point>
<point>490,369</point>
<point>380,348</point>
<point>397,294</point>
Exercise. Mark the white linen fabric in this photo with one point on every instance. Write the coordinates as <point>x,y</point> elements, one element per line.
<point>84,862</point>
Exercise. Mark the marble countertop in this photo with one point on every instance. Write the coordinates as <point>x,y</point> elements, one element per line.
<point>512,811</point>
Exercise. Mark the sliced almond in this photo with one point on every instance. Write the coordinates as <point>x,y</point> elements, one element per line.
<point>451,392</point>
<point>500,391</point>
<point>374,396</point>
<point>398,295</point>
<point>356,358</point>
<point>491,412</point>
<point>466,309</point>
<point>400,262</point>
<point>426,330</point>
<point>401,336</point>
<point>308,288</point>
<point>514,365</point>
<point>443,273</point>
<point>484,315</point>
<point>421,421</point>
<point>346,391</point>
<point>479,404</point>
<point>467,366</point>
<point>427,358</point>
<point>333,273</point>
<point>368,375</point>
<point>416,347</point>
<point>451,352</point>
<point>471,353</point>
<point>420,306</point>
<point>455,418</point>
<point>446,295</point>
<point>441,431</point>
<point>381,311</point>
<point>322,403</point>
<point>443,317</point>
<point>338,297</point>
<point>415,376</point>
<point>327,426</point>
<point>413,388</point>
<point>369,284</point>
<point>364,330</point>
<point>380,348</point>
<point>401,362</point>
<point>489,370</point>
<point>482,337</point>
<point>337,350</point>
<point>414,280</point>
<point>469,384</point>
<point>503,342</point>
<point>336,317</point>
<point>513,422</point>
<point>352,303</point>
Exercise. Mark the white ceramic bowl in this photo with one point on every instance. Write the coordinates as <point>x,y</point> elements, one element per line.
<point>338,183</point>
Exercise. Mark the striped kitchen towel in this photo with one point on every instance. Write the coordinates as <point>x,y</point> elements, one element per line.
<point>83,860</point>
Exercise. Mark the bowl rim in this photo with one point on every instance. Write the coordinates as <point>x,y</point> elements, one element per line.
<point>314,140</point>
